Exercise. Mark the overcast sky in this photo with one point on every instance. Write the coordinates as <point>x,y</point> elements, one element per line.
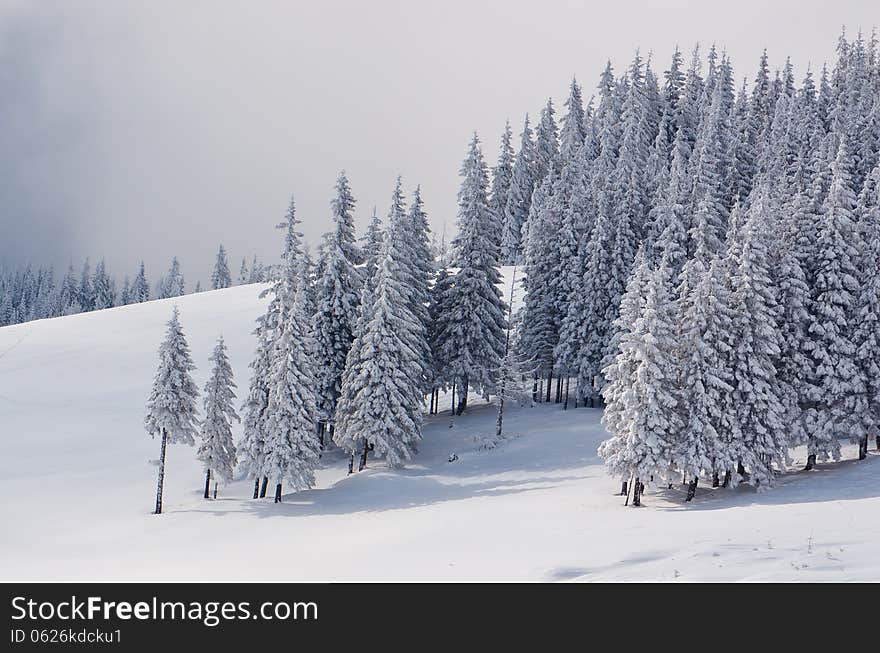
<point>140,130</point>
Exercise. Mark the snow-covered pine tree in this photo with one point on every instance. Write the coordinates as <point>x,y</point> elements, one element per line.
<point>103,287</point>
<point>502,176</point>
<point>837,380</point>
<point>475,335</point>
<point>243,272</point>
<point>381,402</point>
<point>86,294</point>
<point>292,445</point>
<point>643,440</point>
<point>761,446</point>
<point>573,132</point>
<point>867,314</point>
<point>221,277</point>
<point>217,449</point>
<point>546,143</point>
<point>171,407</point>
<point>140,288</point>
<point>519,197</point>
<point>372,247</point>
<point>337,297</point>
<point>172,284</point>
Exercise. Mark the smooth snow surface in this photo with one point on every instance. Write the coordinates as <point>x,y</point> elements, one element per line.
<point>78,477</point>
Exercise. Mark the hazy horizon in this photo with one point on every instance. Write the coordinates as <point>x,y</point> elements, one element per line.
<point>146,130</point>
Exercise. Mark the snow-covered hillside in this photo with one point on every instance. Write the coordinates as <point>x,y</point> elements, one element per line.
<point>77,477</point>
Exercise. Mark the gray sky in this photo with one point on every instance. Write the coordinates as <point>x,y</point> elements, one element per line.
<point>135,129</point>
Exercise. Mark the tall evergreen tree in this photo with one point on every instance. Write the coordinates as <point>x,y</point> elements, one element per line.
<point>171,407</point>
<point>217,449</point>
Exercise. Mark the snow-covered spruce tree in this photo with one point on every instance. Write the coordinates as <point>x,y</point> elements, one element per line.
<point>762,445</point>
<point>85,294</point>
<point>703,373</point>
<point>620,374</point>
<point>243,272</point>
<point>125,293</point>
<point>643,443</point>
<point>546,143</point>
<point>221,277</point>
<point>252,449</point>
<point>172,284</point>
<point>475,331</point>
<point>217,449</point>
<point>439,310</point>
<point>372,247</point>
<point>837,380</point>
<point>867,315</point>
<point>257,272</point>
<point>540,319</point>
<point>140,288</point>
<point>519,197</point>
<point>171,407</point>
<point>337,296</point>
<point>502,175</point>
<point>292,445</point>
<point>381,402</point>
<point>573,132</point>
<point>103,287</point>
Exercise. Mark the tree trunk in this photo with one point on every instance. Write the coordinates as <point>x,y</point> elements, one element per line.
<point>452,408</point>
<point>351,464</point>
<point>715,480</point>
<point>623,491</point>
<point>215,489</point>
<point>740,469</point>
<point>864,448</point>
<point>500,416</point>
<point>692,488</point>
<point>161,484</point>
<point>637,493</point>
<point>431,403</point>
<point>207,482</point>
<point>278,493</point>
<point>463,397</point>
<point>877,442</point>
<point>363,464</point>
<point>535,395</point>
<point>567,386</point>
<point>559,389</point>
<point>726,479</point>
<point>264,486</point>
<point>811,462</point>
<point>256,488</point>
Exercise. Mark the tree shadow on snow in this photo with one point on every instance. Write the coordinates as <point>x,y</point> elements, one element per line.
<point>830,481</point>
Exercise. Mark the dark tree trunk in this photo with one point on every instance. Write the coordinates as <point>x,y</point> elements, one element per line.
<point>535,395</point>
<point>811,462</point>
<point>877,442</point>
<point>207,482</point>
<point>161,484</point>
<point>256,488</point>
<point>351,464</point>
<point>692,488</point>
<point>452,408</point>
<point>726,479</point>
<point>215,489</point>
<point>863,448</point>
<point>431,403</point>
<point>363,464</point>
<point>637,493</point>
<point>463,398</point>
<point>715,480</point>
<point>567,386</point>
<point>623,490</point>
<point>500,416</point>
<point>278,493</point>
<point>559,389</point>
<point>321,427</point>
<point>740,469</point>
<point>264,486</point>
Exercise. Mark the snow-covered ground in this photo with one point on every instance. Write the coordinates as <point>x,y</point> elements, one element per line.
<point>77,480</point>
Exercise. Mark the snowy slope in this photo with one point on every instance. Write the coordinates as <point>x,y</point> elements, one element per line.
<point>77,479</point>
